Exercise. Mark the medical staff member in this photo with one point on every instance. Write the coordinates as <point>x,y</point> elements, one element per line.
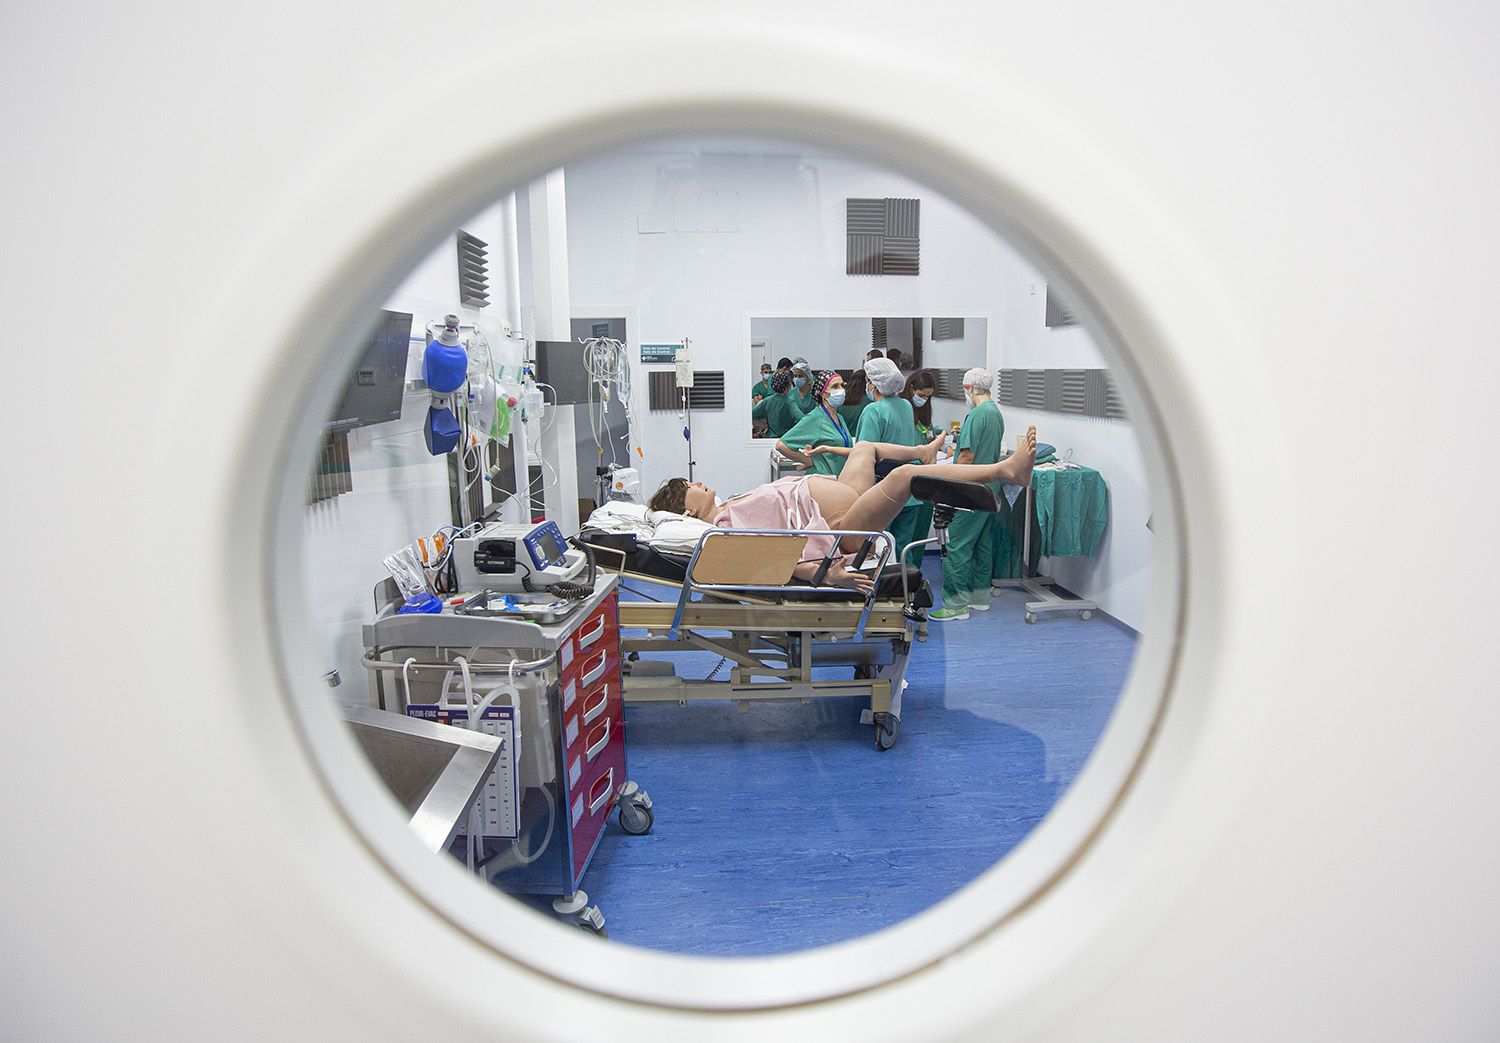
<point>889,418</point>
<point>855,399</point>
<point>762,389</point>
<point>919,389</point>
<point>802,378</point>
<point>823,426</point>
<point>778,410</point>
<point>966,567</point>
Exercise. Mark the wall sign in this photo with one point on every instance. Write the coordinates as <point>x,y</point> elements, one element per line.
<point>663,354</point>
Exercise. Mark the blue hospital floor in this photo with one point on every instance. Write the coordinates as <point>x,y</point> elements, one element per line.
<point>781,827</point>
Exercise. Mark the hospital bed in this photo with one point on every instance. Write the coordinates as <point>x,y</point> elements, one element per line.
<point>731,593</point>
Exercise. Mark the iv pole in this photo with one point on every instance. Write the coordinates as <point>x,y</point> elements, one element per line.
<point>684,388</point>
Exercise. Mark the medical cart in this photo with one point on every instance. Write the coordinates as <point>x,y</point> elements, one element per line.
<point>568,771</point>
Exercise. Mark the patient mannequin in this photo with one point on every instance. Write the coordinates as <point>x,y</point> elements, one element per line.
<point>854,500</point>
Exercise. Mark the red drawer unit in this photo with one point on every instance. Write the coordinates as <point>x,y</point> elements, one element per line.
<point>599,632</point>
<point>593,734</point>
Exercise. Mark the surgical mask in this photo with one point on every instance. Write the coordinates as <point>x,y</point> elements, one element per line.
<point>765,374</point>
<point>801,382</point>
<point>968,398</point>
<point>836,398</point>
<point>919,400</point>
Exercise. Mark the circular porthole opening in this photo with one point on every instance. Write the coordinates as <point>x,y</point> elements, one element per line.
<point>572,652</point>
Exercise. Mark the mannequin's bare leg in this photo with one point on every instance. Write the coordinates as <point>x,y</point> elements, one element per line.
<point>879,504</point>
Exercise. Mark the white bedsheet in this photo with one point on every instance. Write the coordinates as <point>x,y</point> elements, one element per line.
<point>674,533</point>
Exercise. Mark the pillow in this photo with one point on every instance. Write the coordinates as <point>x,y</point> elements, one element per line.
<point>676,531</point>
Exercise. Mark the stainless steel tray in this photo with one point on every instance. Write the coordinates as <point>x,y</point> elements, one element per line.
<point>534,608</point>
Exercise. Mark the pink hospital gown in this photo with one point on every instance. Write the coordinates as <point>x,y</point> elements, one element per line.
<point>784,504</point>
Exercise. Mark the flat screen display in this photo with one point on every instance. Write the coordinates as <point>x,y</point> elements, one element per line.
<point>373,394</point>
<point>551,548</point>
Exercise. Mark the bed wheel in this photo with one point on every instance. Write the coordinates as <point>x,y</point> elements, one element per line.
<point>1031,617</point>
<point>1086,614</point>
<point>887,727</point>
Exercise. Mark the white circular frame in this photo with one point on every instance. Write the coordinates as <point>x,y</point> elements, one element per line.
<point>1030,194</point>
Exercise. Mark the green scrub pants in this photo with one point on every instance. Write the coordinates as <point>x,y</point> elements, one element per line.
<point>917,519</point>
<point>968,562</point>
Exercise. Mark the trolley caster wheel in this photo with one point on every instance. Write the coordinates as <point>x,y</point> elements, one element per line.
<point>636,814</point>
<point>1086,614</point>
<point>1031,617</point>
<point>636,820</point>
<point>887,727</point>
<point>575,909</point>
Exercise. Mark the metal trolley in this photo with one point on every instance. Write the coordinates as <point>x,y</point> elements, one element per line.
<point>567,712</point>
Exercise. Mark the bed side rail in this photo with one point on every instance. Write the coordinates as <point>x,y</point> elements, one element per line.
<point>763,559</point>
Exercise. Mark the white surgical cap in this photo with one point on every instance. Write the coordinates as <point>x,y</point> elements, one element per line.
<point>980,378</point>
<point>802,364</point>
<point>884,377</point>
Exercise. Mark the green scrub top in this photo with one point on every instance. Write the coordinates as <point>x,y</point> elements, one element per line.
<point>779,412</point>
<point>817,428</point>
<point>805,403</point>
<point>888,420</point>
<point>983,432</point>
<point>851,413</point>
<point>762,389</point>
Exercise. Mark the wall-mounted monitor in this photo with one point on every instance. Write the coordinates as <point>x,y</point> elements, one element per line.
<point>373,395</point>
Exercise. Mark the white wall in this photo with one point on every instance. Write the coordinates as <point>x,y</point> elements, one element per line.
<point>400,491</point>
<point>826,341</point>
<point>787,258</point>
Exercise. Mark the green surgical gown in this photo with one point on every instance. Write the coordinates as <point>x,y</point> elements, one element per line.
<point>850,413</point>
<point>888,420</point>
<point>818,428</point>
<point>983,432</point>
<point>779,412</point>
<point>891,420</point>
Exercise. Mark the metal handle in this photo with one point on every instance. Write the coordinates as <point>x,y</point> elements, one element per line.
<point>594,747</point>
<point>591,712</point>
<point>372,661</point>
<point>593,674</point>
<point>595,803</point>
<point>585,641</point>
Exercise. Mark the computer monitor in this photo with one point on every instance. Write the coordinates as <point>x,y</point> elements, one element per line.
<point>373,394</point>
